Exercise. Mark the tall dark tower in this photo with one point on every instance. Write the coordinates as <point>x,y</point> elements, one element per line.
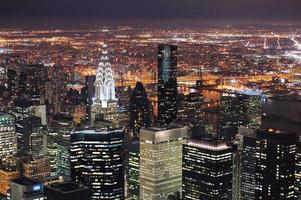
<point>167,84</point>
<point>140,110</point>
<point>268,164</point>
<point>96,160</point>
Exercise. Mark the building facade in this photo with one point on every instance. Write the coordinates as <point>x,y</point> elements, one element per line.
<point>105,105</point>
<point>8,137</point>
<point>268,165</point>
<point>161,161</point>
<point>167,84</point>
<point>97,161</point>
<point>207,170</point>
<point>140,109</point>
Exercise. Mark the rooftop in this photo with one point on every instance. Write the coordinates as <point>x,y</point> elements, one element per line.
<point>66,187</point>
<point>209,144</point>
<point>163,128</point>
<point>25,181</point>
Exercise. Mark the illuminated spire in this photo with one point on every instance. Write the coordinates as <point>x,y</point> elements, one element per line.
<point>104,83</point>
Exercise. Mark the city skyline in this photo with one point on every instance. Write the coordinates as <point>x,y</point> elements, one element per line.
<point>150,100</point>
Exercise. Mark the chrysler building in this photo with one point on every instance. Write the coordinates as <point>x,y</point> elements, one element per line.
<point>105,105</point>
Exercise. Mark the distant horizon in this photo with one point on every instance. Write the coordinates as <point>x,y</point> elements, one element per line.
<point>44,23</point>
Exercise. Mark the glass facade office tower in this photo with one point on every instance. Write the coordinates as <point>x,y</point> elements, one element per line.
<point>268,165</point>
<point>190,112</point>
<point>134,168</point>
<point>8,137</point>
<point>237,110</point>
<point>34,77</point>
<point>167,84</point>
<point>207,170</point>
<point>23,111</point>
<point>140,109</point>
<point>30,80</point>
<point>298,171</point>
<point>58,144</point>
<point>97,161</point>
<point>161,161</point>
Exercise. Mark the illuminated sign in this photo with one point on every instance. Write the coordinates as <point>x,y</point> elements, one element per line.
<point>36,188</point>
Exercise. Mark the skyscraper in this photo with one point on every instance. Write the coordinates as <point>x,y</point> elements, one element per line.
<point>58,144</point>
<point>8,137</point>
<point>89,92</point>
<point>167,84</point>
<point>29,80</point>
<point>23,108</point>
<point>35,78</point>
<point>62,126</point>
<point>239,109</point>
<point>268,165</point>
<point>134,169</point>
<point>190,112</point>
<point>161,161</point>
<point>97,161</point>
<point>12,82</point>
<point>105,105</point>
<point>207,170</point>
<point>298,171</point>
<point>140,109</point>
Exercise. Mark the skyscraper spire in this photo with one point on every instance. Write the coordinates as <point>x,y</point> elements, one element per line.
<point>104,83</point>
<point>105,105</point>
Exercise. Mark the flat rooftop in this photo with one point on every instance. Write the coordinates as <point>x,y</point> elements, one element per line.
<point>209,144</point>
<point>66,187</point>
<point>25,181</point>
<point>162,128</point>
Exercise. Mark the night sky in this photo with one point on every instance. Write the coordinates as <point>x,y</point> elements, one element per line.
<point>151,9</point>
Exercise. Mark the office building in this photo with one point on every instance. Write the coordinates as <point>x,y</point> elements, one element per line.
<point>134,169</point>
<point>105,105</point>
<point>8,137</point>
<point>89,93</point>
<point>62,125</point>
<point>190,112</point>
<point>12,82</point>
<point>239,109</point>
<point>36,168</point>
<point>207,170</point>
<point>26,189</point>
<point>167,84</point>
<point>32,82</point>
<point>268,165</point>
<point>298,171</point>
<point>140,109</point>
<point>161,161</point>
<point>97,161</point>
